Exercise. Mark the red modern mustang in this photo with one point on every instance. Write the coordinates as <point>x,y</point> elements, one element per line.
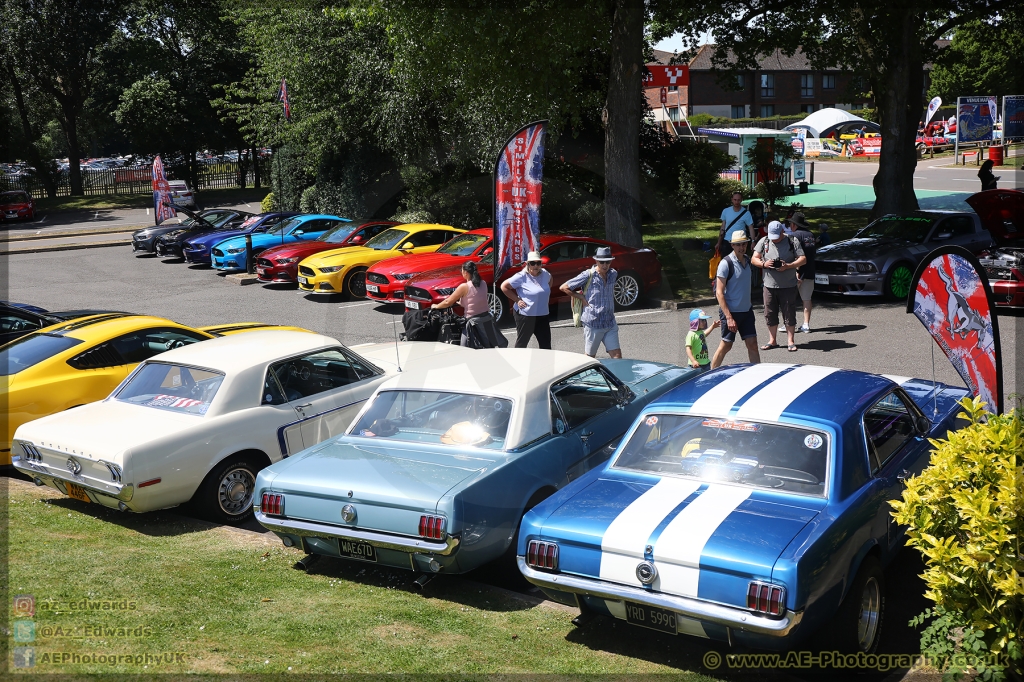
<point>386,280</point>
<point>564,256</point>
<point>1002,214</point>
<point>281,263</point>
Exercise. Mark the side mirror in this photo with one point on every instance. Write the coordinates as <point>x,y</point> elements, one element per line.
<point>923,425</point>
<point>941,236</point>
<point>544,260</point>
<point>406,246</point>
<point>299,233</point>
<point>358,239</point>
<point>624,396</point>
<point>488,251</point>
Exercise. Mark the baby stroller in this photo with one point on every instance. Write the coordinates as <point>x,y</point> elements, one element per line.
<point>443,326</point>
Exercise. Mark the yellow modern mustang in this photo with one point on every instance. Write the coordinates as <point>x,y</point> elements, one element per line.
<point>72,363</point>
<point>344,270</point>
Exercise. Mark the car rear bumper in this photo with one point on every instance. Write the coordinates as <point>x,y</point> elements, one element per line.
<point>696,609</point>
<point>402,543</point>
<point>852,285</point>
<point>1008,294</point>
<point>110,495</point>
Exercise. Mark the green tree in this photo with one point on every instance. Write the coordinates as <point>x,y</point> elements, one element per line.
<point>984,58</point>
<point>886,43</point>
<point>60,44</point>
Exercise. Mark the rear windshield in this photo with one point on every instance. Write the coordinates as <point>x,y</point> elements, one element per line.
<point>436,417</point>
<point>22,353</point>
<point>786,458</point>
<point>387,239</point>
<point>172,387</point>
<point>911,228</point>
<point>464,244</point>
<point>338,234</point>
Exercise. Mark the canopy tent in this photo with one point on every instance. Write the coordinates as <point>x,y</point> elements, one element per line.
<point>824,122</point>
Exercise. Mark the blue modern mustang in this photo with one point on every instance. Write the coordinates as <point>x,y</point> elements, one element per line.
<point>197,249</point>
<point>230,253</point>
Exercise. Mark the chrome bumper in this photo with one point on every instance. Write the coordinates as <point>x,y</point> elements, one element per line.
<point>39,471</point>
<point>737,619</point>
<point>381,540</point>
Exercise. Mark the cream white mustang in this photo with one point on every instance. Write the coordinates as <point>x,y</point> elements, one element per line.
<point>198,423</point>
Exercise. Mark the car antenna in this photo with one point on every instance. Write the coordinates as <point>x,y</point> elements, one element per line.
<point>935,397</point>
<point>394,328</point>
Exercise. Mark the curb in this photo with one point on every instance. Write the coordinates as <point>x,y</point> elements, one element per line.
<point>66,247</point>
<point>241,278</point>
<point>69,233</point>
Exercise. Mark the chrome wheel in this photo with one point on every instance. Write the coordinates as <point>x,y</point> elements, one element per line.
<point>495,305</point>
<point>870,614</point>
<point>234,493</point>
<point>627,290</point>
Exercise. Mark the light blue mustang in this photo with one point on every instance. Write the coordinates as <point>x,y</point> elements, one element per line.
<point>749,506</point>
<point>436,472</point>
<point>230,253</point>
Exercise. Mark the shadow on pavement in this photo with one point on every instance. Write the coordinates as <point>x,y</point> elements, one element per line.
<point>826,345</point>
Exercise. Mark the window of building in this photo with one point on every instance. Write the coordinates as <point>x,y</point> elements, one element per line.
<point>767,85</point>
<point>767,110</point>
<point>740,81</point>
<point>673,113</point>
<point>739,111</point>
<point>673,88</point>
<point>807,108</point>
<point>828,82</point>
<point>807,85</point>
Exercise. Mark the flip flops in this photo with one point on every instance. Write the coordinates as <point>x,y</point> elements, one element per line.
<point>792,348</point>
<point>769,346</point>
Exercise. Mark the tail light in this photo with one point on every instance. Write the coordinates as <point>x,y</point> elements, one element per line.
<point>432,527</point>
<point>766,598</point>
<point>542,555</point>
<point>272,504</point>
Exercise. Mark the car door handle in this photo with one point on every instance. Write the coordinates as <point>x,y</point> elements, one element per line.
<point>584,435</point>
<point>302,407</point>
<point>903,476</point>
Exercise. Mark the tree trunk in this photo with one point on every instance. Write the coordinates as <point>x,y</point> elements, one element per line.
<point>69,123</point>
<point>622,116</point>
<point>900,101</point>
<point>43,170</point>
<point>255,159</point>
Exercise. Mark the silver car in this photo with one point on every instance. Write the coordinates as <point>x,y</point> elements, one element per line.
<point>880,259</point>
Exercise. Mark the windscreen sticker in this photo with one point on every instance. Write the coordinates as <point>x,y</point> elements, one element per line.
<point>172,401</point>
<point>651,421</point>
<point>730,425</point>
<point>813,441</point>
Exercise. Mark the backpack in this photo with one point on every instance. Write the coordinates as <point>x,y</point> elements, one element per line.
<point>714,280</point>
<point>421,325</point>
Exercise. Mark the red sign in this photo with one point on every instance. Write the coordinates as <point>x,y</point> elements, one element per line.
<point>657,75</point>
<point>664,95</point>
<point>867,146</point>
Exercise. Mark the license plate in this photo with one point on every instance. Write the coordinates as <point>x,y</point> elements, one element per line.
<point>303,280</point>
<point>260,271</point>
<point>357,550</point>
<point>651,617</point>
<point>373,287</point>
<point>77,492</point>
<point>412,304</point>
<point>821,279</point>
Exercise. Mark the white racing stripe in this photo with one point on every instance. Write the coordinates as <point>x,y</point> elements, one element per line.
<point>770,402</point>
<point>678,549</point>
<point>720,400</point>
<point>622,546</point>
<point>898,380</point>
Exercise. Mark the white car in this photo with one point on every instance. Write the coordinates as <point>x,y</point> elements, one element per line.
<point>181,195</point>
<point>198,424</point>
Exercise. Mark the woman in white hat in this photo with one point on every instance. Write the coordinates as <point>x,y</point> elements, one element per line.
<point>528,292</point>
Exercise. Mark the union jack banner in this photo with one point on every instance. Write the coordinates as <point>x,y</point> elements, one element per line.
<point>518,181</point>
<point>162,206</point>
<point>163,400</point>
<point>282,97</point>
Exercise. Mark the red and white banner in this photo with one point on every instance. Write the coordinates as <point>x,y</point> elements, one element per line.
<point>657,75</point>
<point>162,206</point>
<point>518,181</point>
<point>950,295</point>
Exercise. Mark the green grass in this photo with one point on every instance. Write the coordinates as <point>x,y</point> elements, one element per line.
<point>232,603</point>
<point>114,201</point>
<point>680,244</point>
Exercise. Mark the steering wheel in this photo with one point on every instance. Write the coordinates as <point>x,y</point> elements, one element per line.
<point>174,343</point>
<point>301,369</point>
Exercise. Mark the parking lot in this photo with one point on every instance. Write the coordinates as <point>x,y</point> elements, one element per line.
<point>870,335</point>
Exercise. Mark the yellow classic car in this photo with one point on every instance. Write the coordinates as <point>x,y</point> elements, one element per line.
<point>72,363</point>
<point>344,270</point>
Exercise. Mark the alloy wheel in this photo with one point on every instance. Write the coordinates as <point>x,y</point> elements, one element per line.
<point>234,493</point>
<point>495,305</point>
<point>627,290</point>
<point>899,281</point>
<point>870,614</point>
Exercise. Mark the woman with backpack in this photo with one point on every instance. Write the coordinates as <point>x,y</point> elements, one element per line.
<point>471,295</point>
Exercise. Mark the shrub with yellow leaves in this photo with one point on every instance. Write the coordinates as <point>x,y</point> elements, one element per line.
<point>965,514</point>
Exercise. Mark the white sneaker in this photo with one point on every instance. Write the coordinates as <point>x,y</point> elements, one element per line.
<point>804,328</point>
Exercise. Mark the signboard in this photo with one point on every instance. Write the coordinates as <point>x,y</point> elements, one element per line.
<point>866,146</point>
<point>518,181</point>
<point>951,296</point>
<point>657,75</point>
<point>975,118</point>
<point>799,171</point>
<point>798,145</point>
<point>664,95</point>
<point>1013,117</point>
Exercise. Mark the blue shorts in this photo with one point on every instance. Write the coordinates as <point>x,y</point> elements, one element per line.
<point>744,326</point>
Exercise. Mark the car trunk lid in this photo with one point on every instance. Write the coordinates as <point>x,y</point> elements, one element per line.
<point>1002,214</point>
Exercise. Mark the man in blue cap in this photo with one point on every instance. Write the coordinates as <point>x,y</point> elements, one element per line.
<point>780,256</point>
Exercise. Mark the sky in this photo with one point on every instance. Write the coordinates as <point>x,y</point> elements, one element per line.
<point>676,44</point>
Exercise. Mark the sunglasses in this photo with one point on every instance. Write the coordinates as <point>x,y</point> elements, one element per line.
<point>604,262</point>
<point>533,262</point>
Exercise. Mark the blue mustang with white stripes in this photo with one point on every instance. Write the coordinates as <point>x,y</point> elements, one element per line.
<point>749,506</point>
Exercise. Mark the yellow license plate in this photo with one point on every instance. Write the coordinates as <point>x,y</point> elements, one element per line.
<point>77,492</point>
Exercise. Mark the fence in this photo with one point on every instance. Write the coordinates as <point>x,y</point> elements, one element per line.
<point>138,180</point>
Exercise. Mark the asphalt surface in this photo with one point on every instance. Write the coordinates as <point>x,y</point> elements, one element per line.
<point>869,335</point>
<point>933,174</point>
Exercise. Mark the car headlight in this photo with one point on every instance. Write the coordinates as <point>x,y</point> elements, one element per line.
<point>286,261</point>
<point>240,249</point>
<point>331,268</point>
<point>860,268</point>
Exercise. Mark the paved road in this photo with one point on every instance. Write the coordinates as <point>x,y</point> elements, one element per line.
<point>935,174</point>
<point>868,335</point>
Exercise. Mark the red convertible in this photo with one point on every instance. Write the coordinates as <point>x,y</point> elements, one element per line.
<point>564,256</point>
<point>1002,214</point>
<point>281,263</point>
<point>386,280</point>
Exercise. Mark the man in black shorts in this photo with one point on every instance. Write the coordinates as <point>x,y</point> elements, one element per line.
<point>735,308</point>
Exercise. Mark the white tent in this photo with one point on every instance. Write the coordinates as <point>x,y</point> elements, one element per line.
<point>823,119</point>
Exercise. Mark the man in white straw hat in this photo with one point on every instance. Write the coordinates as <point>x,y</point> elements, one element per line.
<point>595,289</point>
<point>735,309</point>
